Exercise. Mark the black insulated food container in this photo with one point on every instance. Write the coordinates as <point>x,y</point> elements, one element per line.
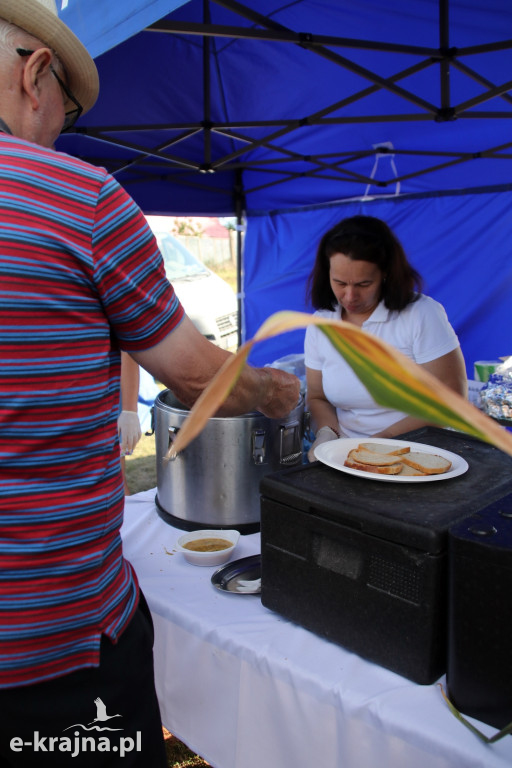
<point>479,673</point>
<point>364,562</point>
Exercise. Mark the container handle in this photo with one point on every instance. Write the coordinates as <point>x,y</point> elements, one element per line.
<point>173,431</point>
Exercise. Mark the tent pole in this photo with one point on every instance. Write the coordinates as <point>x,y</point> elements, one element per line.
<point>239,210</point>
<point>444,42</point>
<point>206,92</point>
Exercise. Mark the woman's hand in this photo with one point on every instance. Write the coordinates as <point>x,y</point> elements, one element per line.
<point>128,425</point>
<point>324,435</point>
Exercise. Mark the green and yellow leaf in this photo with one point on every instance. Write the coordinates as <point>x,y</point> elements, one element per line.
<point>392,379</point>
<point>486,739</point>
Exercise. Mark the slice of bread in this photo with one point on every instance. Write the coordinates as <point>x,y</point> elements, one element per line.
<point>406,470</point>
<point>383,448</point>
<point>428,463</point>
<point>372,457</point>
<point>390,469</point>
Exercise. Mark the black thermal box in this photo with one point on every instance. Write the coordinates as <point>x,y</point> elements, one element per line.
<point>479,672</point>
<point>363,562</point>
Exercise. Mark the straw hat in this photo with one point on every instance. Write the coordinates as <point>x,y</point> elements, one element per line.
<point>40,19</point>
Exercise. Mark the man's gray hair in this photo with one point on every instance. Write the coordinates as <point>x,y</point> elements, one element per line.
<point>10,36</point>
<point>8,33</point>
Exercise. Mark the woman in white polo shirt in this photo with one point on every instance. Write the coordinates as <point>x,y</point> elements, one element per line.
<point>361,275</point>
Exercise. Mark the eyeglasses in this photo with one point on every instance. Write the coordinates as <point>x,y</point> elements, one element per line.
<point>72,115</point>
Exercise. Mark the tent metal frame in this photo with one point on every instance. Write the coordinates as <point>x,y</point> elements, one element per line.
<point>161,160</point>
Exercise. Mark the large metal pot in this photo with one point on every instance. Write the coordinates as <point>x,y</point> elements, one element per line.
<point>214,482</point>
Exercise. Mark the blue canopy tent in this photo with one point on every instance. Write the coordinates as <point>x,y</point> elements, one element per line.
<point>296,114</point>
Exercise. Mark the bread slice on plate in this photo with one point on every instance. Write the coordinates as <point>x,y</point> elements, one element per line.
<point>427,463</point>
<point>410,471</point>
<point>382,469</point>
<point>373,457</point>
<point>393,450</point>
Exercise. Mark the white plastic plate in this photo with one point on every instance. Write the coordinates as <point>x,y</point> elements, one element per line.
<point>335,452</point>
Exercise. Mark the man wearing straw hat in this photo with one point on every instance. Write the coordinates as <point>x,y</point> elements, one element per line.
<point>80,279</point>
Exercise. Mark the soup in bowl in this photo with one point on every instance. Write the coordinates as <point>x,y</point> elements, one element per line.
<point>208,547</point>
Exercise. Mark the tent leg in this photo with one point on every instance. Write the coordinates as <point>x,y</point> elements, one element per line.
<point>239,209</point>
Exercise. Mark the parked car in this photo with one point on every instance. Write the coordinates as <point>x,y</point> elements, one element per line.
<point>208,300</point>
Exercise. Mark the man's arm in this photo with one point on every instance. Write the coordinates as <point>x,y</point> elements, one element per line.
<point>186,362</point>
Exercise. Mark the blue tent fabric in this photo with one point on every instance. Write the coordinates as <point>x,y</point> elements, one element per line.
<point>102,25</point>
<point>297,114</point>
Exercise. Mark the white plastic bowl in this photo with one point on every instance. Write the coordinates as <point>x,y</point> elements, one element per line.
<point>216,557</point>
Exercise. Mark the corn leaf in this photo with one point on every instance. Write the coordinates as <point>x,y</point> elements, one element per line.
<point>210,400</point>
<point>486,739</point>
<point>392,379</point>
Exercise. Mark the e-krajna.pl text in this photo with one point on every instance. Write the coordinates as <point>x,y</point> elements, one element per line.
<point>79,744</point>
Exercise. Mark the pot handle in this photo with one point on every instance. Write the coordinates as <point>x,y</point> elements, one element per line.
<point>152,431</point>
<point>173,431</point>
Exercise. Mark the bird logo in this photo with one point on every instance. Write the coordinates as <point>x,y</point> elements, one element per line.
<point>101,713</point>
<point>101,717</point>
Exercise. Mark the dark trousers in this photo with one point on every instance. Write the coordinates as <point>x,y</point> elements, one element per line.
<point>55,723</point>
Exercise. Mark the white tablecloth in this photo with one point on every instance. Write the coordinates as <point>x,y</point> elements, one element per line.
<point>245,688</point>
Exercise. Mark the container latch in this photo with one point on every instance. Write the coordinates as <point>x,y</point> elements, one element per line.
<point>290,443</point>
<point>258,446</point>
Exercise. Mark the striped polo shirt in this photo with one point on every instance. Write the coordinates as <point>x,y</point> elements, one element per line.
<point>80,277</point>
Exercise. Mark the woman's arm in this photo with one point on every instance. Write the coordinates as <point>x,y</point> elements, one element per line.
<point>324,421</point>
<point>130,376</point>
<point>128,422</point>
<point>323,413</point>
<point>451,370</point>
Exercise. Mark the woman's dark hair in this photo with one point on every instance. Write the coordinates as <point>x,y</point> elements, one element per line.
<point>365,238</point>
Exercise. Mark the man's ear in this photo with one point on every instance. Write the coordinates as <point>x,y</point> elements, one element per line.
<point>37,64</point>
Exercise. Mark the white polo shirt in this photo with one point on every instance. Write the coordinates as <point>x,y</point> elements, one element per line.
<point>421,331</point>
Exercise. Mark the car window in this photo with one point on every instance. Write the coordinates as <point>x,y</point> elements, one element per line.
<point>179,263</point>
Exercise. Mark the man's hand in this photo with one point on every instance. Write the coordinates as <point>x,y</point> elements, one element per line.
<point>283,391</point>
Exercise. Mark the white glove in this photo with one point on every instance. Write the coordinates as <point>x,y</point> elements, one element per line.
<point>128,426</point>
<point>324,435</point>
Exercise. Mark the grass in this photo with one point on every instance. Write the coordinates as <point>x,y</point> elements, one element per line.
<point>141,466</point>
<point>179,755</point>
<point>141,476</point>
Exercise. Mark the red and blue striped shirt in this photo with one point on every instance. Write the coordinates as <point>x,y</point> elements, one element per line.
<point>80,277</point>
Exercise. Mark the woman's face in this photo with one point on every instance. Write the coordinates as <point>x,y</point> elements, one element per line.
<point>357,285</point>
